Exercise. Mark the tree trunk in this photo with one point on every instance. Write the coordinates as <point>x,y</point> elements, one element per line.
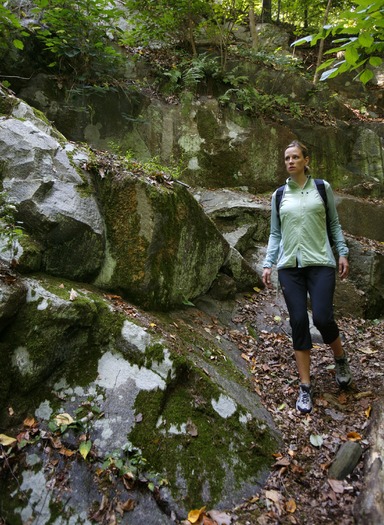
<point>278,11</point>
<point>266,12</point>
<point>252,26</point>
<point>191,37</point>
<point>321,46</point>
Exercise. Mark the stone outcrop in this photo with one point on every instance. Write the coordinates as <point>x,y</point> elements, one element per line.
<point>223,147</point>
<point>149,241</point>
<point>369,507</point>
<point>13,294</point>
<point>362,218</point>
<point>152,394</point>
<point>162,249</point>
<point>60,217</point>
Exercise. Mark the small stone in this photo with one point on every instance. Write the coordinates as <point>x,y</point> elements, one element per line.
<point>346,459</point>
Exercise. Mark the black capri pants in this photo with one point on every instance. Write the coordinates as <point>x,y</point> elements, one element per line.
<point>319,282</point>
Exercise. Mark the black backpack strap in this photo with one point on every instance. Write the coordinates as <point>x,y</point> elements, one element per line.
<point>323,194</point>
<point>321,189</point>
<point>279,196</point>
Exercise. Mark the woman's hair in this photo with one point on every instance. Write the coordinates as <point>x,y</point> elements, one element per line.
<point>300,145</point>
<point>302,148</point>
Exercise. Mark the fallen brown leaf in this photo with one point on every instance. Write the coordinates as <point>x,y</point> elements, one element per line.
<point>290,506</point>
<point>336,485</point>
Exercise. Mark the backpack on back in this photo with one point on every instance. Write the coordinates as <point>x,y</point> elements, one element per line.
<point>323,194</point>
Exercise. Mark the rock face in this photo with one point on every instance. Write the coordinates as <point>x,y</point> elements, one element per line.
<point>362,218</point>
<point>12,295</point>
<point>149,241</point>
<point>62,221</point>
<point>223,147</point>
<point>162,249</point>
<point>139,396</point>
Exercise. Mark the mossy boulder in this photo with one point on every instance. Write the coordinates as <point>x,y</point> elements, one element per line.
<point>162,248</point>
<point>197,429</point>
<point>149,241</point>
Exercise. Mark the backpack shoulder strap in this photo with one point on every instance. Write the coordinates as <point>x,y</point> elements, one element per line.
<point>279,195</point>
<point>323,194</point>
<point>321,189</point>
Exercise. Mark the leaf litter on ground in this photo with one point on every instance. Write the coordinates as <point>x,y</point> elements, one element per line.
<point>298,490</point>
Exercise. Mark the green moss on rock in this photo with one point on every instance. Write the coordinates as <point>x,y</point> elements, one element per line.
<point>190,443</point>
<point>164,248</point>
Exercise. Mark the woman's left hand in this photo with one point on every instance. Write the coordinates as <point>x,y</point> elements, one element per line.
<point>343,267</point>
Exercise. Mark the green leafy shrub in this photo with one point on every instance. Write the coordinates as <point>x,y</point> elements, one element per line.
<point>250,100</point>
<point>358,39</point>
<point>77,36</point>
<point>12,33</point>
<point>191,74</point>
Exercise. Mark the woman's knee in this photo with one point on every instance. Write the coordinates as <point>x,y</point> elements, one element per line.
<point>322,317</point>
<point>300,322</point>
<point>327,328</point>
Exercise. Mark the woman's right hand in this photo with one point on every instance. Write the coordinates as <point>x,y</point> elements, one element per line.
<point>267,276</point>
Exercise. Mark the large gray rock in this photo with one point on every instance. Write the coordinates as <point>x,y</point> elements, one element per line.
<point>42,177</point>
<point>144,398</point>
<point>162,248</point>
<point>366,275</point>
<point>361,218</point>
<point>13,293</point>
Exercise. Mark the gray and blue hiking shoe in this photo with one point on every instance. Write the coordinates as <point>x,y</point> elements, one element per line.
<point>304,401</point>
<point>343,372</point>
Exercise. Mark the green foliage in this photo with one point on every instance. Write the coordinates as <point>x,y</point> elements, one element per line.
<point>275,59</point>
<point>181,22</point>
<point>130,464</point>
<point>359,38</point>
<point>127,461</point>
<point>154,167</point>
<point>250,100</point>
<point>11,33</point>
<point>77,35</point>
<point>304,14</point>
<point>191,72</point>
<point>164,20</point>
<point>219,25</point>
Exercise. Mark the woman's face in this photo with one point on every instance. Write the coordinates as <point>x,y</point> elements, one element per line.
<point>295,161</point>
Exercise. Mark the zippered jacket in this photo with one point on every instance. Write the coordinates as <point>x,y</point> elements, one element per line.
<point>299,236</point>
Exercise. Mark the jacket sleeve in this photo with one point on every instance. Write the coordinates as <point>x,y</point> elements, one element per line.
<point>274,236</point>
<point>337,234</point>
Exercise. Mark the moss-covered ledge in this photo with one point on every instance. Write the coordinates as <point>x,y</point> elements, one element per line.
<point>188,411</point>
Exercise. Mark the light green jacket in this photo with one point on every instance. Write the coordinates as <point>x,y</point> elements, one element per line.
<point>300,236</point>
